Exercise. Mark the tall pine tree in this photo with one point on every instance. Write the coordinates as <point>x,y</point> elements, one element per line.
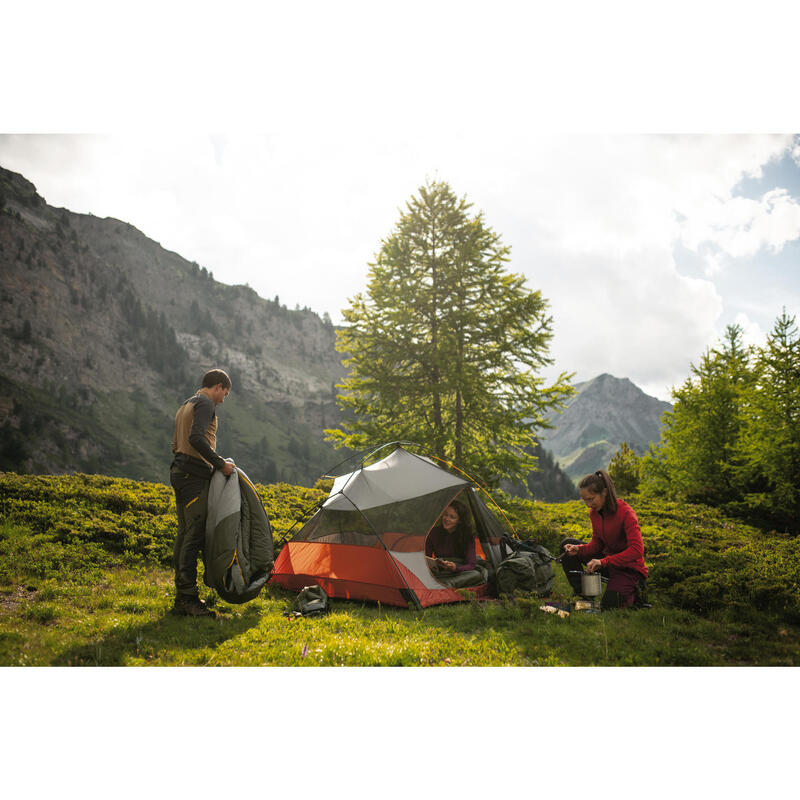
<point>445,345</point>
<point>698,456</point>
<point>771,440</point>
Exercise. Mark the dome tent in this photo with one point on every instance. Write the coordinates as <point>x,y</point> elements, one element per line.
<point>367,540</point>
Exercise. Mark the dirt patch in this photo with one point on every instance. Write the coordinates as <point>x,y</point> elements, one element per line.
<point>10,601</point>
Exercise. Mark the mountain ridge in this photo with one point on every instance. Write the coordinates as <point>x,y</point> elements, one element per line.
<point>604,412</point>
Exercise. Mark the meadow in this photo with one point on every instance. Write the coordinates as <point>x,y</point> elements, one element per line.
<point>85,579</point>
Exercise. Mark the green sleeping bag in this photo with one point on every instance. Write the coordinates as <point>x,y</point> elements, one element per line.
<point>238,552</point>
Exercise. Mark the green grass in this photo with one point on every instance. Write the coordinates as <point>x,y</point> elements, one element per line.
<point>85,580</point>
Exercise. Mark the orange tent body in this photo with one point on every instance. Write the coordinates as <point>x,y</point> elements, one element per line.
<point>367,541</point>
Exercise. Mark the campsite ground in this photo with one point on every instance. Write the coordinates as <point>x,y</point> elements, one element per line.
<point>84,581</point>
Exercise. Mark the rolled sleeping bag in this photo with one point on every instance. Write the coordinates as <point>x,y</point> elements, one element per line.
<point>238,553</point>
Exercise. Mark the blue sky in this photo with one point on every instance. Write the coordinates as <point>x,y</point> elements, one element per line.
<point>762,283</point>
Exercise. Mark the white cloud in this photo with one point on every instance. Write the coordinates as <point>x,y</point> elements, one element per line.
<point>634,317</point>
<point>752,334</point>
<point>713,264</point>
<point>740,227</point>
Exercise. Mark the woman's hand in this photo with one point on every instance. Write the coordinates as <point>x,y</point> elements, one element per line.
<point>572,549</point>
<point>594,564</point>
<point>448,565</point>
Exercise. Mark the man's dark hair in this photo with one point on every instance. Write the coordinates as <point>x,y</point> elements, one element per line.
<point>215,376</point>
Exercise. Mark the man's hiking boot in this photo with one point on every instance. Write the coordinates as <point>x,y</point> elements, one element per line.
<point>192,607</point>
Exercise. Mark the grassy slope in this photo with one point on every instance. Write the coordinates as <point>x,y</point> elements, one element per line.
<point>85,579</point>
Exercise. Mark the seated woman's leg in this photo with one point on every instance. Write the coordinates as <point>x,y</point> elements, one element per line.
<point>621,589</point>
<point>458,580</point>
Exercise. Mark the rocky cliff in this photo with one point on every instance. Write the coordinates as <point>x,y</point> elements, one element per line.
<point>104,333</point>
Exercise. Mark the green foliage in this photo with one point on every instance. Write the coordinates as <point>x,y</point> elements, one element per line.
<point>771,436</point>
<point>733,436</point>
<point>625,469</point>
<point>698,456</point>
<point>444,347</point>
<point>115,520</point>
<point>548,482</point>
<point>85,579</point>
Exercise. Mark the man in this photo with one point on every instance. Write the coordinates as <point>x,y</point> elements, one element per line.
<point>195,447</point>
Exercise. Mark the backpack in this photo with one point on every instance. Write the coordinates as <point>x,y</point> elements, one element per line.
<point>527,567</point>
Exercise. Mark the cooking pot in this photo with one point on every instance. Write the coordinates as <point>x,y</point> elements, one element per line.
<point>591,584</point>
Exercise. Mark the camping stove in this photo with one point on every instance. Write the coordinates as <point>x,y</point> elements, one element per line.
<point>591,590</point>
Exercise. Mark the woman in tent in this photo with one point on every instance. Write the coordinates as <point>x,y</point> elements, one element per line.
<point>616,548</point>
<point>450,548</point>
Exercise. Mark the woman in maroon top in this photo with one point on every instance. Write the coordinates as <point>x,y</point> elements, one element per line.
<point>450,545</point>
<point>616,548</point>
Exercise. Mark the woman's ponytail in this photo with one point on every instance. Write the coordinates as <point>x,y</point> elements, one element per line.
<point>596,482</point>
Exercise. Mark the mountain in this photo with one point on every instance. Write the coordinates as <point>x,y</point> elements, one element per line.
<point>103,334</point>
<point>604,412</point>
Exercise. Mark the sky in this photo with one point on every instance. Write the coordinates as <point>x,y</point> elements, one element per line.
<point>640,159</point>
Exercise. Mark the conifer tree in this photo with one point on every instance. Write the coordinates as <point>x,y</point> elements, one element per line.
<point>445,345</point>
<point>698,456</point>
<point>771,441</point>
<point>625,469</point>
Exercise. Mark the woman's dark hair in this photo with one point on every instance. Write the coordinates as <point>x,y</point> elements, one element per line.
<point>598,481</point>
<point>463,532</point>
